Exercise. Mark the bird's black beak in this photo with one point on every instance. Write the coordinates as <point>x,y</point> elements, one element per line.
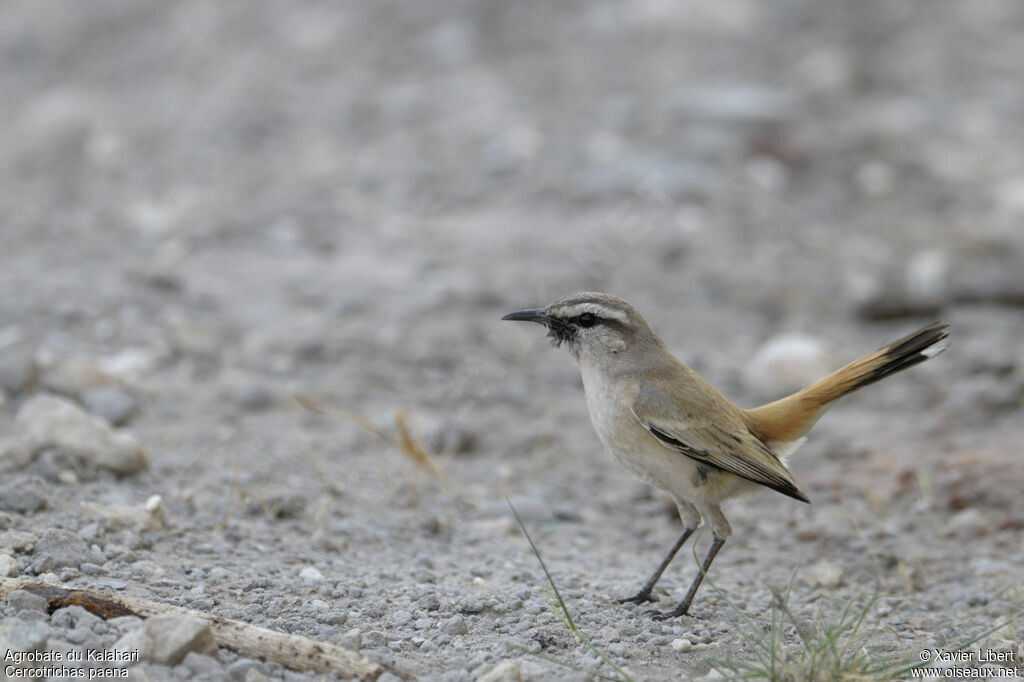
<point>534,315</point>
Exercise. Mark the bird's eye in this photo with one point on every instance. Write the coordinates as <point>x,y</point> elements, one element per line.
<point>587,320</point>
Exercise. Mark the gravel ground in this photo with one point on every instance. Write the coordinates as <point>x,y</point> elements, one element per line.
<point>211,207</point>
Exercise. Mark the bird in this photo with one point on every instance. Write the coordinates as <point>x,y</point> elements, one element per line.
<point>677,432</point>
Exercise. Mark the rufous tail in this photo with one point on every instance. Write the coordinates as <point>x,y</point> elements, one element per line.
<point>790,418</point>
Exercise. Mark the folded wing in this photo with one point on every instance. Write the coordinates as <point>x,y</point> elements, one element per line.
<point>721,440</point>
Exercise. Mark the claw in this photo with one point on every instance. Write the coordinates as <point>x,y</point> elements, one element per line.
<point>665,615</point>
<point>638,598</point>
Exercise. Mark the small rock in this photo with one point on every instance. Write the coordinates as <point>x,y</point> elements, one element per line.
<point>310,574</point>
<point>125,624</point>
<point>254,675</point>
<point>202,665</point>
<point>967,523</point>
<point>788,362</point>
<point>18,541</point>
<point>23,495</point>
<point>374,639</point>
<point>70,375</point>
<point>129,645</point>
<point>239,669</point>
<point>71,617</point>
<point>827,574</point>
<point>8,567</point>
<point>456,625</point>
<point>57,548</point>
<point>14,454</point>
<point>470,605</point>
<point>89,532</point>
<point>48,421</point>
<point>22,600</point>
<point>400,618</point>
<point>169,638</point>
<point>110,402</point>
<point>148,516</point>
<point>681,644</point>
<point>506,671</point>
<point>353,639</point>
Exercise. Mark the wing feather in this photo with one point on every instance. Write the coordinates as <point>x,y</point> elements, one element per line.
<point>723,442</point>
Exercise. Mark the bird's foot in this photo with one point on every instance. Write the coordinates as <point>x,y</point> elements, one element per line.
<point>641,597</point>
<point>680,610</point>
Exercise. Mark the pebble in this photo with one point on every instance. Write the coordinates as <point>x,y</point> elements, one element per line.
<point>58,548</point>
<point>310,574</point>
<point>353,639</point>
<point>71,617</point>
<point>169,638</point>
<point>787,362</point>
<point>23,495</point>
<point>18,541</point>
<point>506,671</point>
<point>374,639</point>
<point>23,600</point>
<point>967,523</point>
<point>112,403</point>
<point>239,669</point>
<point>203,666</point>
<point>456,625</point>
<point>8,566</point>
<point>48,421</point>
<point>400,618</point>
<point>827,574</point>
<point>14,454</point>
<point>681,644</point>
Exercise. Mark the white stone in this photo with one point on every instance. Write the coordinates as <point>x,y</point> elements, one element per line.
<point>48,421</point>
<point>788,362</point>
<point>827,574</point>
<point>681,644</point>
<point>8,566</point>
<point>310,574</point>
<point>168,638</point>
<point>506,671</point>
<point>967,523</point>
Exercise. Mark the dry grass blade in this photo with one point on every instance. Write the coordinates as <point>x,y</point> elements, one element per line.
<point>316,407</point>
<point>405,441</point>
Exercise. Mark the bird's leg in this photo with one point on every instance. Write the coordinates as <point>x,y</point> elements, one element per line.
<point>684,606</point>
<point>644,595</point>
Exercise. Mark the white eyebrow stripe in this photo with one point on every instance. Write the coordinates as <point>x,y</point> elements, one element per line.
<point>594,309</point>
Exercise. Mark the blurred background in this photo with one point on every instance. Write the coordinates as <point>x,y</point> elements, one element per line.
<point>208,207</point>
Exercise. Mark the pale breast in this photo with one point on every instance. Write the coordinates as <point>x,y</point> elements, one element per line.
<point>629,442</point>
